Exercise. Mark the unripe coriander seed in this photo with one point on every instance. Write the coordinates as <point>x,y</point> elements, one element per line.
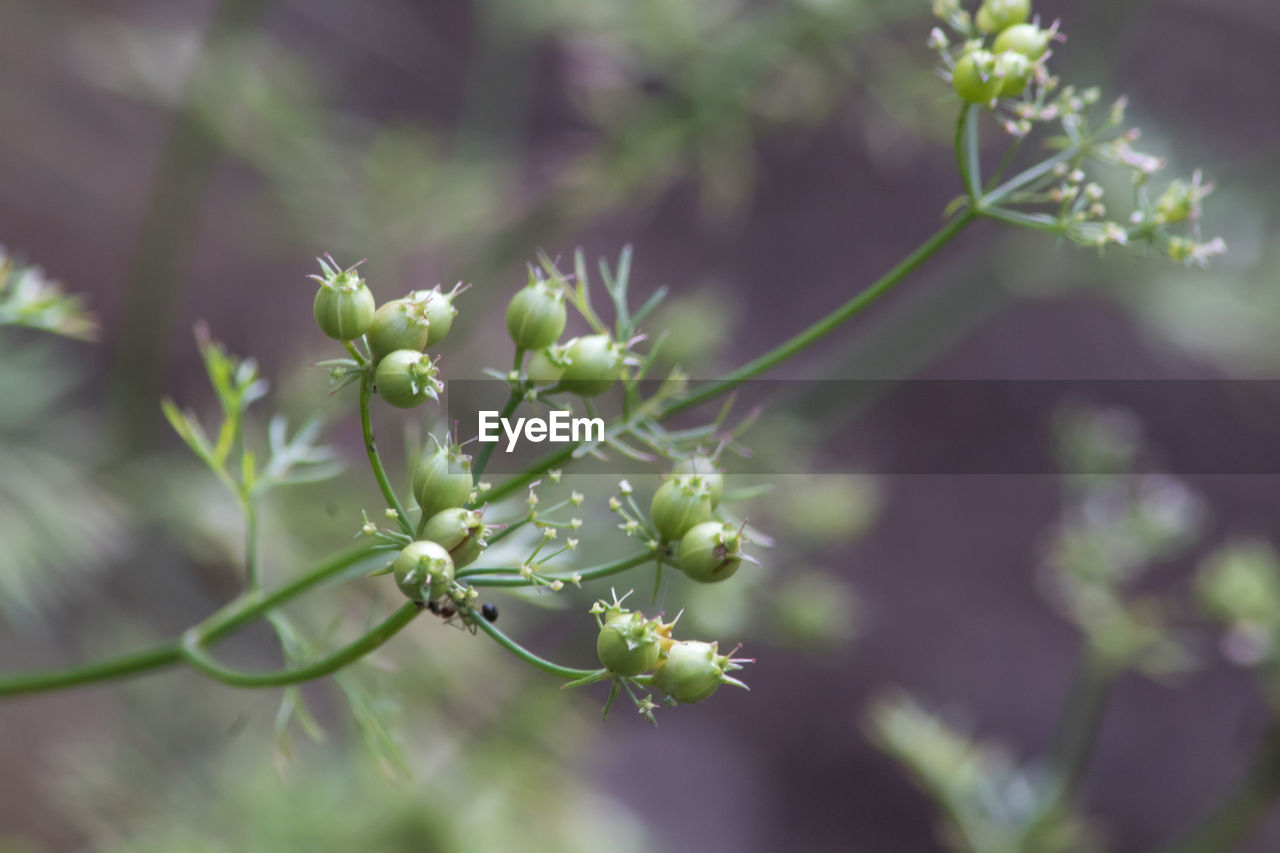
<point>996,15</point>
<point>536,315</point>
<point>595,364</point>
<point>460,531</point>
<point>692,671</point>
<point>628,644</point>
<point>546,365</point>
<point>680,503</point>
<point>974,78</point>
<point>705,467</point>
<point>344,305</point>
<point>1026,39</point>
<point>1014,72</point>
<point>442,479</point>
<point>400,324</point>
<point>423,571</point>
<point>407,378</point>
<point>710,552</point>
<point>440,312</point>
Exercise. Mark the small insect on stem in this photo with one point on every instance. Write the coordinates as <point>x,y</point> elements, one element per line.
<point>489,611</point>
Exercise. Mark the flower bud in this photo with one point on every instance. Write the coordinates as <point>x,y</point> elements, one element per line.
<point>399,324</point>
<point>1177,203</point>
<point>710,552</point>
<point>595,363</point>
<point>442,479</point>
<point>344,306</point>
<point>459,531</point>
<point>536,315</point>
<point>692,671</point>
<point>423,571</point>
<point>407,378</point>
<point>679,504</point>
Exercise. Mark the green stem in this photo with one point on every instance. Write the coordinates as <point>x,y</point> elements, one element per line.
<point>147,660</point>
<point>566,672</point>
<point>1023,178</point>
<point>166,235</point>
<point>230,617</point>
<point>1237,815</point>
<point>1078,727</point>
<point>252,571</point>
<point>827,324</point>
<point>1073,740</point>
<point>966,145</point>
<point>513,400</point>
<point>375,462</point>
<point>193,653</point>
<point>486,448</point>
<point>483,577</point>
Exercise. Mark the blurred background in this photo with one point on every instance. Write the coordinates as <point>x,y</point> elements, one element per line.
<point>174,161</point>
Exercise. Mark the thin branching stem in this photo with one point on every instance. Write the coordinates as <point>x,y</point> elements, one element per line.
<point>375,462</point>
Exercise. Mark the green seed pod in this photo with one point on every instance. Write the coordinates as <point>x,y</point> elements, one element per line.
<point>996,15</point>
<point>974,77</point>
<point>442,479</point>
<point>679,504</point>
<point>344,305</point>
<point>710,552</point>
<point>1026,39</point>
<point>460,531</point>
<point>439,310</point>
<point>536,315</point>
<point>407,378</point>
<point>705,467</point>
<point>423,571</point>
<point>628,644</point>
<point>595,363</point>
<point>546,365</point>
<point>399,324</point>
<point>1014,72</point>
<point>693,670</point>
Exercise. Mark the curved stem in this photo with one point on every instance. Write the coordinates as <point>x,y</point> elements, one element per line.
<point>147,660</point>
<point>529,657</point>
<point>486,578</point>
<point>967,152</point>
<point>193,653</point>
<point>230,617</point>
<point>375,462</point>
<point>827,324</point>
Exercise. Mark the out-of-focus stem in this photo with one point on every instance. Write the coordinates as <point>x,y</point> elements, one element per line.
<point>165,237</point>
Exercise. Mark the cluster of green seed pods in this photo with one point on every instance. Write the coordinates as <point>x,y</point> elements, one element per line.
<point>982,75</point>
<point>396,332</point>
<point>630,645</point>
